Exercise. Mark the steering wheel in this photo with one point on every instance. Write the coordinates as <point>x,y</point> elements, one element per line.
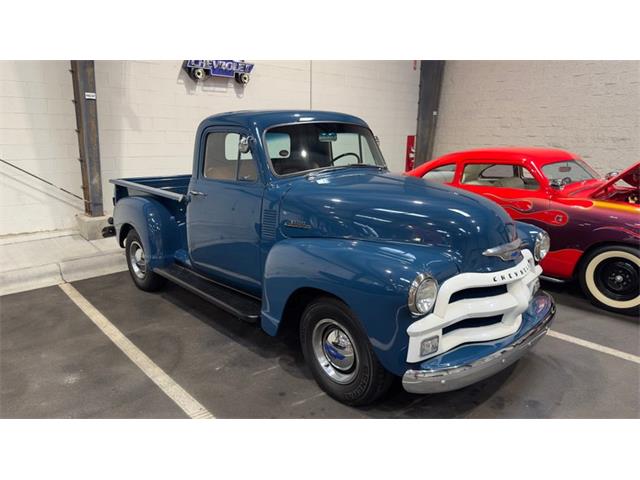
<point>333,162</point>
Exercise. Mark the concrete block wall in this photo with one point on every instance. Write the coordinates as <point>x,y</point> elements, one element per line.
<point>148,112</point>
<point>384,94</point>
<point>589,107</point>
<point>37,133</point>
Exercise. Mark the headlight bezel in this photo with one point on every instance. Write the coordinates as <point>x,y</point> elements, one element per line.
<point>414,289</point>
<point>542,240</point>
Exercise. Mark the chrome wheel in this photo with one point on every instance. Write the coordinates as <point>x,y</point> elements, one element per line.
<point>335,351</point>
<point>137,260</point>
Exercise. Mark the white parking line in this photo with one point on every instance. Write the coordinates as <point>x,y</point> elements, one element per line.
<point>300,402</point>
<point>594,346</point>
<point>175,392</point>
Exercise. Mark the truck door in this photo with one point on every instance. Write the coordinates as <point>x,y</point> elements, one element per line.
<point>223,214</point>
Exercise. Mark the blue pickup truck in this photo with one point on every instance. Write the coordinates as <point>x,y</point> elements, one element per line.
<point>291,219</point>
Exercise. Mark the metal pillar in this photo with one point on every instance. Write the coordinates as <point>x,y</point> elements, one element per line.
<point>84,93</point>
<point>431,74</point>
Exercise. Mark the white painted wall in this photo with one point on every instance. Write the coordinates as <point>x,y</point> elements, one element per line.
<point>384,94</point>
<point>37,133</point>
<point>148,112</point>
<point>589,107</point>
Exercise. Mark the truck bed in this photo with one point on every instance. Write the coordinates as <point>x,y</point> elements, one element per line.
<point>173,188</point>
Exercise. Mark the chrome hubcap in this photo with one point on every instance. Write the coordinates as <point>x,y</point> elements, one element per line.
<point>137,261</point>
<point>335,351</point>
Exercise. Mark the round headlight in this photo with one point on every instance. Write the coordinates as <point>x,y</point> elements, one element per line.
<point>541,247</point>
<point>422,294</point>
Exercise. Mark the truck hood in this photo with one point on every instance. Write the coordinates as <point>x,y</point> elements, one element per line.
<point>366,204</point>
<point>631,175</point>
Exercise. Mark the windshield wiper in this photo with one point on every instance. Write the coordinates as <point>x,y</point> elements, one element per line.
<point>336,167</point>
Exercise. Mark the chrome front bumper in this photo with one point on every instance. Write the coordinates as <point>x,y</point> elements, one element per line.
<point>446,379</point>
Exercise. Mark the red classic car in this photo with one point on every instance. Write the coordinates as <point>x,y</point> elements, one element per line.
<point>594,223</point>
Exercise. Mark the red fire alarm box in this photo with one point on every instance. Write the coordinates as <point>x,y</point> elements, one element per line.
<point>410,157</point>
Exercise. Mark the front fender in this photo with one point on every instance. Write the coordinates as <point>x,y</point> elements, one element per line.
<point>372,278</point>
<point>528,233</point>
<point>158,229</point>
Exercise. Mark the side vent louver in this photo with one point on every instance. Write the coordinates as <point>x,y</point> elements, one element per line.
<point>269,223</point>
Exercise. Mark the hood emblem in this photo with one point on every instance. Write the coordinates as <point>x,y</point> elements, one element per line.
<point>506,252</point>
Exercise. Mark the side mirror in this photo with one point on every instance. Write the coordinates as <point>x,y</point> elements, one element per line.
<point>243,145</point>
<point>612,174</point>
<point>557,183</point>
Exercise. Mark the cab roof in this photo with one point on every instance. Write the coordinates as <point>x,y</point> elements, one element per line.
<point>540,156</point>
<point>263,119</point>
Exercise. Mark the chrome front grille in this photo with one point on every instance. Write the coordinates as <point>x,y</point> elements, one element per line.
<point>476,307</point>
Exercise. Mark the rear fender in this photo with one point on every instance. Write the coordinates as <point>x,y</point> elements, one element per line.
<point>161,234</point>
<point>373,279</point>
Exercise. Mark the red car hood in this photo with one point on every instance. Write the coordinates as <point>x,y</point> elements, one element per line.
<point>631,175</point>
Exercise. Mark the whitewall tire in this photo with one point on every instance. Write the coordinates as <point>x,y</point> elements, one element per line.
<point>609,277</point>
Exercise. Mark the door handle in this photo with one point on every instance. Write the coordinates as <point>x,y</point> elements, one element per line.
<point>195,193</point>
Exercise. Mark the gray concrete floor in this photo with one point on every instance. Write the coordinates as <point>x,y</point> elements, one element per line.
<point>54,363</point>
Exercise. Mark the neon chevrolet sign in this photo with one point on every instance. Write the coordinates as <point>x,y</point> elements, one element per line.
<point>199,69</point>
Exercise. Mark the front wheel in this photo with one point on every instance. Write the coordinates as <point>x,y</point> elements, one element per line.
<point>339,354</point>
<point>142,275</point>
<point>609,276</point>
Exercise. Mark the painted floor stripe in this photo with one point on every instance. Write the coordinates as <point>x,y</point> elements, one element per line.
<point>175,392</point>
<point>594,346</point>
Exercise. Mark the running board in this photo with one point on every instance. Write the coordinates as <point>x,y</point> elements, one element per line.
<point>552,280</point>
<point>236,303</point>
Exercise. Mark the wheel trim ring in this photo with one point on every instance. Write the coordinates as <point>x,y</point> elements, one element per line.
<point>137,262</point>
<point>593,288</point>
<point>320,332</point>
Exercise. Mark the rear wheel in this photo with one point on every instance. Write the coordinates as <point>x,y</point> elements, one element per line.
<point>340,355</point>
<point>142,276</point>
<point>610,277</point>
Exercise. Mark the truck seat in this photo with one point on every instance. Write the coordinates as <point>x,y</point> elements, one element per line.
<point>510,182</point>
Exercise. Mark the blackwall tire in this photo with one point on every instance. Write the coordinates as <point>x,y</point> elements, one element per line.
<point>609,277</point>
<point>144,278</point>
<point>339,354</point>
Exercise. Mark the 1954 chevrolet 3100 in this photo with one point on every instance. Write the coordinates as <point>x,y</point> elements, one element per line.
<point>291,219</point>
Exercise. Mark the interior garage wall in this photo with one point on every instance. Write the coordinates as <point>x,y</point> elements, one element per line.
<point>591,108</point>
<point>148,112</point>
<point>383,93</point>
<point>37,133</point>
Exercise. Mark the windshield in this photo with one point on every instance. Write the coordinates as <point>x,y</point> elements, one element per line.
<point>302,147</point>
<point>569,171</point>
